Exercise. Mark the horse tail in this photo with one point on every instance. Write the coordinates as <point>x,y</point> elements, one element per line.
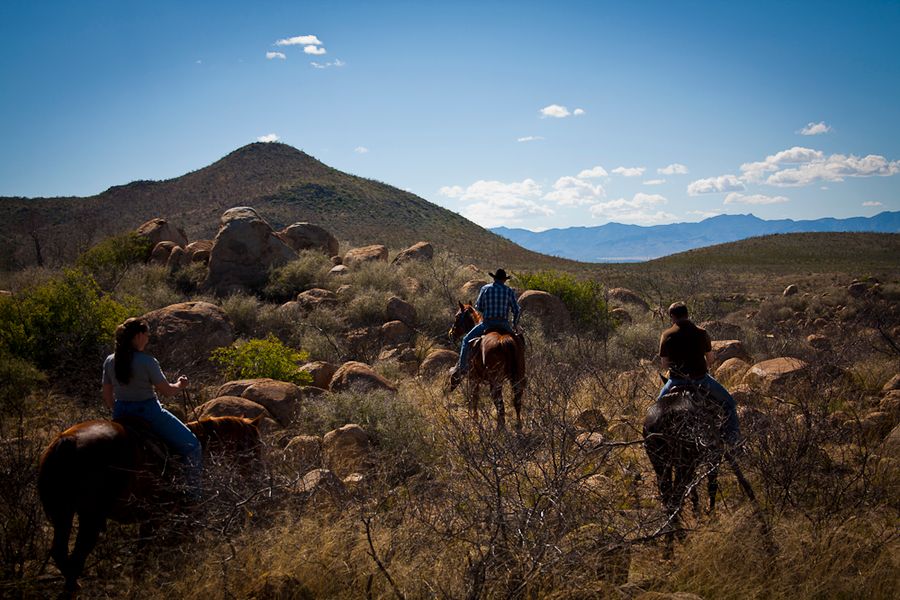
<point>56,477</point>
<point>510,351</point>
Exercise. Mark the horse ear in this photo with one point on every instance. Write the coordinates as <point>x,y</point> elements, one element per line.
<point>255,421</point>
<point>461,307</point>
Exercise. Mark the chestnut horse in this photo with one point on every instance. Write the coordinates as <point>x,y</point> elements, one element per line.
<point>683,433</point>
<point>495,357</point>
<point>103,470</point>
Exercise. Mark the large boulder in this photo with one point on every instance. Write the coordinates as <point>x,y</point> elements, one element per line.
<point>437,362</point>
<point>732,370</point>
<point>244,252</point>
<point>726,349</point>
<point>321,372</point>
<point>626,296</point>
<point>547,309</point>
<point>359,376</point>
<point>347,450</point>
<point>775,374</point>
<point>160,253</point>
<point>281,398</point>
<point>395,332</point>
<point>177,258</point>
<point>198,251</point>
<point>231,406</point>
<point>237,386</point>
<point>316,298</point>
<point>183,335</point>
<point>470,289</point>
<point>366,254</point>
<point>421,251</point>
<point>306,236</point>
<point>304,452</point>
<point>400,310</point>
<point>160,230</point>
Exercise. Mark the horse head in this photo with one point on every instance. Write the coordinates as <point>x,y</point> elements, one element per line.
<point>465,319</point>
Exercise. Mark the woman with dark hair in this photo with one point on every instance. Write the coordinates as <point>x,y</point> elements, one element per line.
<point>131,381</point>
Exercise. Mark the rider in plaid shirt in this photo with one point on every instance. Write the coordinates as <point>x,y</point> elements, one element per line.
<point>494,302</point>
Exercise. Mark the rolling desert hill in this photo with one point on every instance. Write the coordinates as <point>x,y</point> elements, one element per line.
<point>283,184</point>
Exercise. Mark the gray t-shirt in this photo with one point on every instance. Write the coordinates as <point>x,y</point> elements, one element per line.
<point>145,373</point>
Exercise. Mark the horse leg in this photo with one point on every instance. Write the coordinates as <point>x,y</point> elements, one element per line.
<point>497,397</point>
<point>473,392</point>
<point>695,501</point>
<point>59,551</point>
<point>89,527</point>
<point>679,490</point>
<point>712,487</point>
<point>518,390</point>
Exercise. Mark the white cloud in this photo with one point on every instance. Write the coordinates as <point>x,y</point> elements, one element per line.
<point>361,150</point>
<point>571,191</point>
<point>704,214</point>
<point>578,112</point>
<point>870,203</point>
<point>299,40</point>
<point>314,50</point>
<point>335,63</point>
<point>654,182</point>
<point>673,169</point>
<point>835,168</point>
<point>530,138</point>
<point>271,137</point>
<point>722,183</point>
<point>736,198</point>
<point>755,171</point>
<point>597,171</point>
<point>279,55</point>
<point>556,111</point>
<point>496,203</point>
<point>629,171</point>
<point>815,128</point>
<point>198,61</point>
<point>642,208</point>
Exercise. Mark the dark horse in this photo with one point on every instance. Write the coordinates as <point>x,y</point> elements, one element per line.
<point>682,433</point>
<point>103,470</point>
<point>495,357</point>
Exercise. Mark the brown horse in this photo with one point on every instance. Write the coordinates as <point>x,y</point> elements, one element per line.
<point>495,357</point>
<point>103,470</point>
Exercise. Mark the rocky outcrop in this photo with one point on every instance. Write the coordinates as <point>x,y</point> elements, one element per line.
<point>316,298</point>
<point>231,406</point>
<point>359,376</point>
<point>177,258</point>
<point>438,362</point>
<point>549,311</point>
<point>160,253</point>
<point>732,370</point>
<point>626,296</point>
<point>244,252</point>
<point>776,374</point>
<point>321,372</point>
<point>306,236</point>
<point>182,335</point>
<point>470,289</point>
<point>160,230</point>
<point>347,450</point>
<point>422,251</point>
<point>198,251</point>
<point>395,332</point>
<point>726,349</point>
<point>366,254</point>
<point>281,398</point>
<point>400,310</point>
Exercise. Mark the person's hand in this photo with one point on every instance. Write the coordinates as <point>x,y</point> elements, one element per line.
<point>182,382</point>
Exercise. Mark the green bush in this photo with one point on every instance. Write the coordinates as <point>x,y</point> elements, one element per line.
<point>19,378</point>
<point>262,358</point>
<point>109,260</point>
<point>65,319</point>
<point>309,270</point>
<point>584,298</point>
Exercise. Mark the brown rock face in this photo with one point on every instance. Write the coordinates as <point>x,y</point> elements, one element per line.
<point>400,310</point>
<point>470,289</point>
<point>244,251</point>
<point>306,236</point>
<point>182,335</point>
<point>725,349</point>
<point>160,230</point>
<point>347,450</point>
<point>359,376</point>
<point>304,452</point>
<point>177,258</point>
<point>281,398</point>
<point>626,296</point>
<point>775,374</point>
<point>732,369</point>
<point>198,251</point>
<point>321,372</point>
<point>358,256</point>
<point>160,253</point>
<point>237,387</point>
<point>549,311</point>
<point>790,290</point>
<point>395,332</point>
<point>438,362</point>
<point>316,298</point>
<point>421,251</point>
<point>231,406</point>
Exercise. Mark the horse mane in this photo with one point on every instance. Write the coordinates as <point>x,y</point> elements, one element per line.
<point>235,432</point>
<point>475,314</point>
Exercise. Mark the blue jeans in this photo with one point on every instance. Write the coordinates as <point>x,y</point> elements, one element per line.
<point>179,438</point>
<point>463,365</point>
<point>720,395</point>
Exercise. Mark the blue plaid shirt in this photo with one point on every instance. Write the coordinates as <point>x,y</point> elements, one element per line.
<point>495,300</point>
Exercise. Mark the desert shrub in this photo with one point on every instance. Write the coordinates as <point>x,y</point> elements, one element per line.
<point>148,286</point>
<point>67,319</point>
<point>19,377</point>
<point>378,276</point>
<point>108,261</point>
<point>366,308</point>
<point>243,312</point>
<point>189,278</point>
<point>309,270</point>
<point>262,358</point>
<point>584,298</point>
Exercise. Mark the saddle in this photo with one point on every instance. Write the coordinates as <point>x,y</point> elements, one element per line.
<point>155,451</point>
<point>519,338</point>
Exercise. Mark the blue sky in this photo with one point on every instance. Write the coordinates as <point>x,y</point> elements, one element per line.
<point>524,114</point>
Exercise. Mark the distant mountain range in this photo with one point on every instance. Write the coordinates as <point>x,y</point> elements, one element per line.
<point>615,242</point>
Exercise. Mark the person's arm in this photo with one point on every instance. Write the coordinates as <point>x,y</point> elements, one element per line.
<point>479,300</point>
<point>514,305</point>
<point>663,353</point>
<point>708,351</point>
<point>108,396</point>
<point>170,389</point>
<point>710,359</point>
